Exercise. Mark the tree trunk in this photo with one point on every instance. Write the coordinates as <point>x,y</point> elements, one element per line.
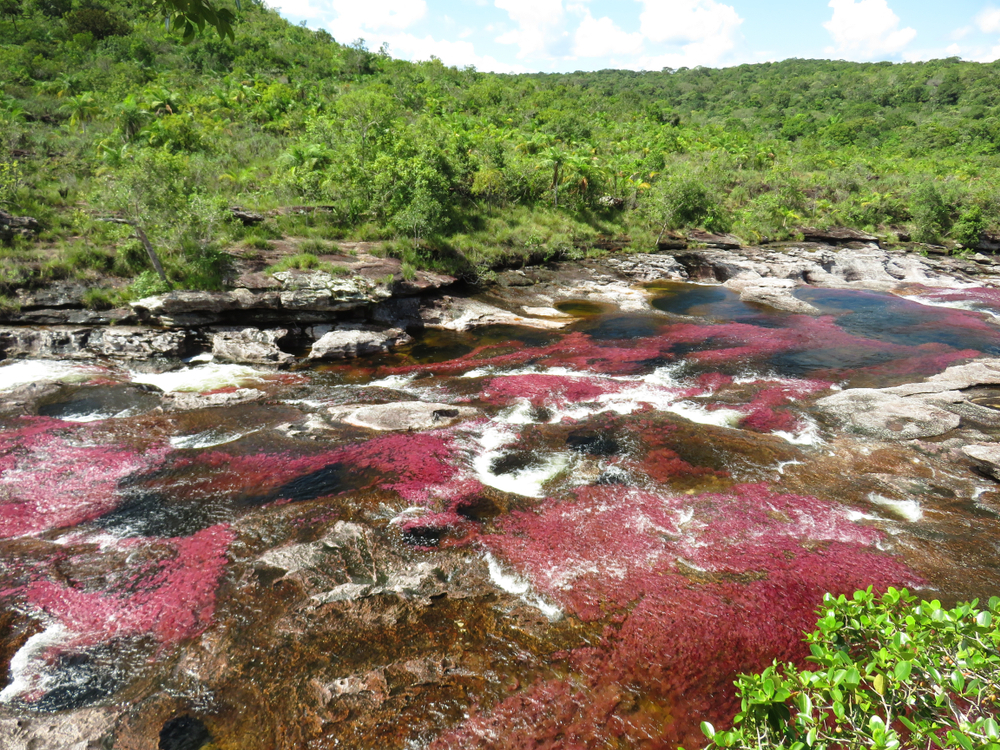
<point>147,245</point>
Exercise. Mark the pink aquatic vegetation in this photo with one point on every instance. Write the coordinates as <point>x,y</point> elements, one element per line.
<point>692,590</point>
<point>764,412</point>
<point>412,464</point>
<point>553,390</point>
<point>50,478</point>
<point>171,599</point>
<point>980,296</point>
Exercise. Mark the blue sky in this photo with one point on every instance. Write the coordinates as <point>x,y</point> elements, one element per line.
<point>568,35</point>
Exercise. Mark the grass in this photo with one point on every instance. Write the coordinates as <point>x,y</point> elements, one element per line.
<point>305,262</point>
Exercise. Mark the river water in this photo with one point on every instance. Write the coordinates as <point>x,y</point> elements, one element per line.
<point>579,545</point>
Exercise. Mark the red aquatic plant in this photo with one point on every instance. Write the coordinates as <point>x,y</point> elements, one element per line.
<point>51,478</point>
<point>171,599</point>
<point>692,590</point>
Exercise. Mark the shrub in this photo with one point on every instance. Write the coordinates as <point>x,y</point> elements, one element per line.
<point>97,22</point>
<point>889,672</point>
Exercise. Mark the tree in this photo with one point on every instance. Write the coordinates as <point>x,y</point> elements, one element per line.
<point>888,672</point>
<point>192,15</point>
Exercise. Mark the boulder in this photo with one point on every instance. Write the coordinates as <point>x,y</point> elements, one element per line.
<point>137,343</point>
<point>347,341</point>
<point>319,290</point>
<point>188,401</point>
<point>250,345</point>
<point>404,415</point>
<point>874,413</point>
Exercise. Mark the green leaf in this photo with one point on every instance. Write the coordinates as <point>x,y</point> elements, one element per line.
<point>903,670</point>
<point>879,684</point>
<point>984,619</point>
<point>708,729</point>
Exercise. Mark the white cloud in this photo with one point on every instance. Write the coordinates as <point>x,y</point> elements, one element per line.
<point>601,37</point>
<point>539,26</point>
<point>866,29</point>
<point>988,20</point>
<point>364,19</point>
<point>459,54</point>
<point>953,50</point>
<point>686,22</point>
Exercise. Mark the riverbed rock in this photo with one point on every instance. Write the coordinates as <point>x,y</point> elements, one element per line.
<point>403,415</point>
<point>137,343</point>
<point>85,729</point>
<point>865,267</point>
<point>874,413</point>
<point>985,457</point>
<point>23,399</point>
<point>321,291</point>
<point>189,401</point>
<point>651,267</point>
<point>463,314</point>
<point>357,340</point>
<point>250,346</point>
<point>774,293</point>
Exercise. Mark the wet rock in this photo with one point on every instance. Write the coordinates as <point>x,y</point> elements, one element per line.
<point>672,241</point>
<point>86,729</point>
<point>250,345</point>
<point>985,457</point>
<point>25,398</point>
<point>405,415</point>
<point>775,293</point>
<point>183,401</point>
<point>66,343</point>
<point>875,413</point>
<point>955,378</point>
<point>836,235</point>
<point>349,341</point>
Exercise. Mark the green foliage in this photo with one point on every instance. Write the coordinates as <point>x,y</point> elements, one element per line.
<point>97,22</point>
<point>11,178</point>
<point>888,672</point>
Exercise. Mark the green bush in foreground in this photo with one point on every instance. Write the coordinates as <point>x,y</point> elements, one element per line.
<point>890,672</point>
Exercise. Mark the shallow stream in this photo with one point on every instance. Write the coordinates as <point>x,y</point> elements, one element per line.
<point>579,544</point>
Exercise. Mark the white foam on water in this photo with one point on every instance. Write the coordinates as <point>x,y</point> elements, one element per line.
<point>200,379</point>
<point>27,667</point>
<point>970,305</point>
<point>908,510</point>
<point>26,371</point>
<point>394,382</point>
<point>780,468</point>
<point>207,439</point>
<point>521,588</point>
<point>809,434</point>
<point>529,481</point>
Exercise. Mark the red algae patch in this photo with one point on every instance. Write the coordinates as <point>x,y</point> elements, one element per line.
<point>170,599</point>
<point>693,590</point>
<point>51,478</point>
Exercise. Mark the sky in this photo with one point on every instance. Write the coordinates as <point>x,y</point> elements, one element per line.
<point>516,36</point>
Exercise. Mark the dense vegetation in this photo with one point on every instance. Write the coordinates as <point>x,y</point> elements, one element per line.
<point>888,672</point>
<point>106,113</point>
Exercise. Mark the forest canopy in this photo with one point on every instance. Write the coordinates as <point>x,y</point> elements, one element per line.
<point>458,169</point>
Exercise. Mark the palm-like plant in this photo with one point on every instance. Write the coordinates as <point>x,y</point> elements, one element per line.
<point>81,109</point>
<point>131,116</point>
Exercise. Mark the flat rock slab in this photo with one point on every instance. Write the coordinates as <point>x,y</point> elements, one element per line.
<point>349,341</point>
<point>774,293</point>
<point>874,413</point>
<point>403,415</point>
<point>123,342</point>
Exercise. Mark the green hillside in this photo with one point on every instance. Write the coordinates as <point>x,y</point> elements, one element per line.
<point>106,114</point>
